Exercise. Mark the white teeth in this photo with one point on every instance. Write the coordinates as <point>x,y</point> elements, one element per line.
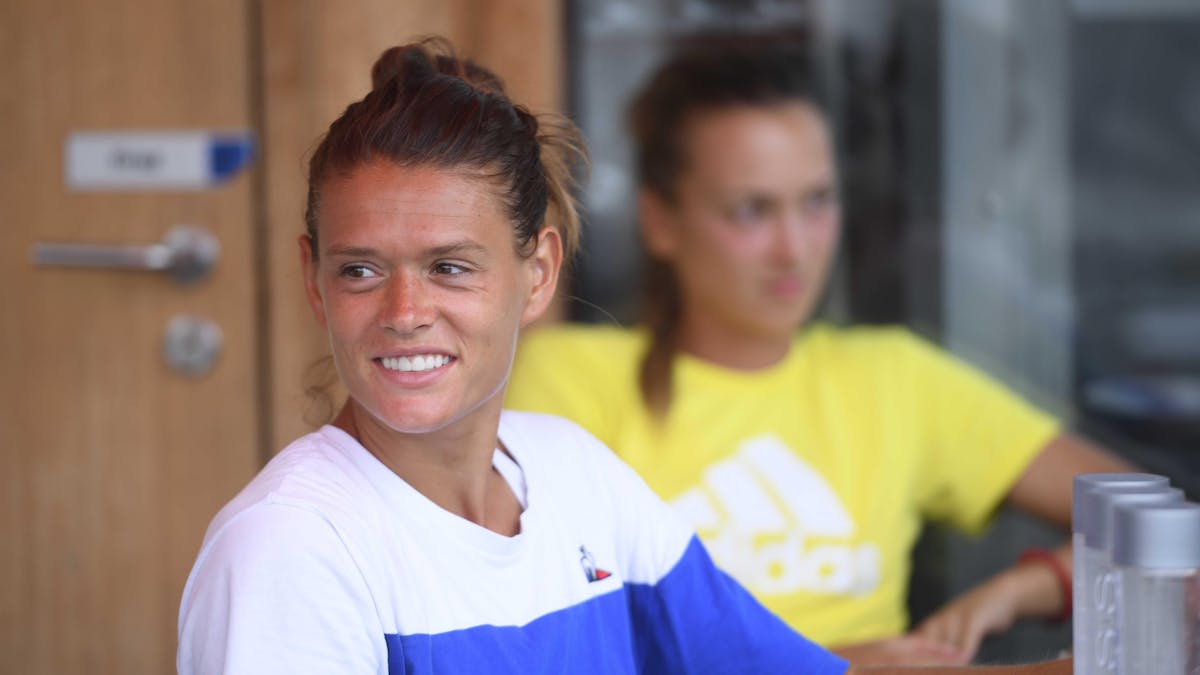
<point>418,363</point>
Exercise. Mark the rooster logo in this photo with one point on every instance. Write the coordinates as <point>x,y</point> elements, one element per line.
<point>588,563</point>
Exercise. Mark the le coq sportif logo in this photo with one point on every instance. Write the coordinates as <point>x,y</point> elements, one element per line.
<point>588,563</point>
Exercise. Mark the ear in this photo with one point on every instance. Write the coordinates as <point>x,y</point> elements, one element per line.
<point>311,288</point>
<point>544,266</point>
<point>660,230</point>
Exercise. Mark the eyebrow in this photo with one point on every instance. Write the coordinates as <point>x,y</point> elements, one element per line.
<point>457,247</point>
<point>350,251</point>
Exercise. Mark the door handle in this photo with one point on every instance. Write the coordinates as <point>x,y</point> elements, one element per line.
<point>187,253</point>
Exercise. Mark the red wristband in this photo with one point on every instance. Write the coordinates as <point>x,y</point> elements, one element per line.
<point>1061,574</point>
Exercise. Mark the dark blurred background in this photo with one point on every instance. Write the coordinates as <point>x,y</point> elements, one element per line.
<point>1021,185</point>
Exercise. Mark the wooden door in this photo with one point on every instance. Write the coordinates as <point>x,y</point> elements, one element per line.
<point>112,464</point>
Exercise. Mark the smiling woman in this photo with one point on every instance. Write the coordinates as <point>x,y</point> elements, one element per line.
<point>426,529</point>
<point>419,287</point>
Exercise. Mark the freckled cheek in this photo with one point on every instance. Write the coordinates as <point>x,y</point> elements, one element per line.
<point>347,322</point>
<point>485,320</point>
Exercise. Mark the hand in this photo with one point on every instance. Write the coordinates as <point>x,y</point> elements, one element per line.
<point>963,622</point>
<point>906,650</point>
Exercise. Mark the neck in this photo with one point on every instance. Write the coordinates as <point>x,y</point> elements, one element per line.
<point>452,467</point>
<point>717,343</point>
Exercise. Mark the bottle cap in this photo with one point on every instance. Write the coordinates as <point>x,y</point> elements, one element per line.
<point>1100,503</point>
<point>1087,481</point>
<point>1159,536</point>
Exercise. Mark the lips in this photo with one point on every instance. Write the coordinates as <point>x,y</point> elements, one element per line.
<point>787,286</point>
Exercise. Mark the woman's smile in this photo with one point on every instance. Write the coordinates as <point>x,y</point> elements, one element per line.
<point>418,363</point>
<point>415,369</point>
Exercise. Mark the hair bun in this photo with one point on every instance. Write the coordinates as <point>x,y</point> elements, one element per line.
<point>427,57</point>
<point>394,63</point>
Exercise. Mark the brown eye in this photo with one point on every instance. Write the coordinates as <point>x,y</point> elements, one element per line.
<point>448,269</point>
<point>750,211</point>
<point>357,272</point>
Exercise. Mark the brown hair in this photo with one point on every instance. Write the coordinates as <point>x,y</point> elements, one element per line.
<point>429,107</point>
<point>699,78</point>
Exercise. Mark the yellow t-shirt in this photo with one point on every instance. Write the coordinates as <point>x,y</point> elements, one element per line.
<point>807,481</point>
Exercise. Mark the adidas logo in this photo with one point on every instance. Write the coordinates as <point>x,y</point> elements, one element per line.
<point>775,524</point>
<point>590,570</point>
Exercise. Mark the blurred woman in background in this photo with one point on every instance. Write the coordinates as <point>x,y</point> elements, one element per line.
<point>805,455</point>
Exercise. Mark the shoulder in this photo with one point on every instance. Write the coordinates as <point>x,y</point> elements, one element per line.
<point>546,436</point>
<point>874,349</point>
<point>563,449</point>
<point>314,473</point>
<point>282,580</point>
<point>310,495</point>
<point>578,340</point>
<point>265,538</point>
<point>588,373</point>
<point>863,340</point>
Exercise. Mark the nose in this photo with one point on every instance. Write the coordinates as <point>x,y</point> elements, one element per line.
<point>791,238</point>
<point>407,306</point>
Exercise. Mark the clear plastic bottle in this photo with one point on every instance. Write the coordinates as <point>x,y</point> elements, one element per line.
<point>1100,579</point>
<point>1156,551</point>
<point>1082,629</point>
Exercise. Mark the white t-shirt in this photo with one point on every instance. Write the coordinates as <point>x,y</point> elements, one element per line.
<point>327,562</point>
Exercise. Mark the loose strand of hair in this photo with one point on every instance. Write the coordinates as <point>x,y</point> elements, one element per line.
<point>662,314</point>
<point>564,158</point>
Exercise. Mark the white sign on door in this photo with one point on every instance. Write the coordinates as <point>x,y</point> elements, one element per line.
<point>154,160</point>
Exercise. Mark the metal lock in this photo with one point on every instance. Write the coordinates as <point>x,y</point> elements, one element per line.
<point>192,344</point>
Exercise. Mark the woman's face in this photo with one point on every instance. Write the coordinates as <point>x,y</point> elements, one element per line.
<point>753,227</point>
<point>421,291</point>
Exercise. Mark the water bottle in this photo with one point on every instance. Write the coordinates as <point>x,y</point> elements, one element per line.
<point>1100,580</point>
<point>1082,628</point>
<point>1156,551</point>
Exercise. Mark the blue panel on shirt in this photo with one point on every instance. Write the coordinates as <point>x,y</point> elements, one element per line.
<point>592,637</point>
<point>695,620</point>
